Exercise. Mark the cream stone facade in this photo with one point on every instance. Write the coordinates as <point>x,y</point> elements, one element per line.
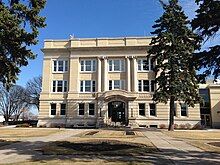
<point>103,81</point>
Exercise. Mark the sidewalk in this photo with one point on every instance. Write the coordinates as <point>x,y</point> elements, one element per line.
<point>180,152</point>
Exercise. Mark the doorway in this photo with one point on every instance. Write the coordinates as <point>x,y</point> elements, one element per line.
<point>116,111</point>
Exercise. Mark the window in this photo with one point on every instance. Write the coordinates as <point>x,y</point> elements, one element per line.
<point>59,86</point>
<point>53,109</point>
<point>62,109</point>
<point>88,65</point>
<point>184,109</point>
<point>87,86</point>
<point>60,66</point>
<point>146,85</point>
<point>116,65</point>
<point>91,109</point>
<point>116,84</point>
<point>145,64</point>
<point>142,109</point>
<point>175,109</point>
<point>81,109</point>
<point>152,109</point>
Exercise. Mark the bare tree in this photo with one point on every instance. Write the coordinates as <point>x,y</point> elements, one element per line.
<point>33,89</point>
<point>12,102</point>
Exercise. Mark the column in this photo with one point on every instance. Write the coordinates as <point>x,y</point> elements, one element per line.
<point>99,82</point>
<point>128,73</point>
<point>135,84</point>
<point>105,74</point>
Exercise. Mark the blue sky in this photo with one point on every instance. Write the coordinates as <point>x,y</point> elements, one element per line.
<point>95,18</point>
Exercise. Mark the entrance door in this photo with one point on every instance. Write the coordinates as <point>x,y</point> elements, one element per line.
<point>206,120</point>
<point>116,111</point>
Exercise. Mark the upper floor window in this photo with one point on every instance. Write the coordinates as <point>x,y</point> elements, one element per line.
<point>60,66</point>
<point>87,86</point>
<point>88,65</point>
<point>116,84</point>
<point>145,64</point>
<point>184,109</point>
<point>59,86</point>
<point>116,65</point>
<point>146,85</point>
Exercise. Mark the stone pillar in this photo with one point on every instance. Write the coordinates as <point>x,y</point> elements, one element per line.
<point>134,76</point>
<point>99,82</point>
<point>128,73</point>
<point>105,74</point>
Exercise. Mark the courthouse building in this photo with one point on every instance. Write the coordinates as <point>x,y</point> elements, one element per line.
<point>97,82</point>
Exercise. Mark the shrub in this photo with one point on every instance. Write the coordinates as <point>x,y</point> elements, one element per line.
<point>182,126</point>
<point>162,126</point>
<point>23,125</point>
<point>175,126</point>
<point>188,126</point>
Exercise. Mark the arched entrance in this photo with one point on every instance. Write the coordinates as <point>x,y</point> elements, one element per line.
<point>116,111</point>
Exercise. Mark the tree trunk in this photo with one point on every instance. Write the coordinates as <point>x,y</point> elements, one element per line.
<point>6,119</point>
<point>172,103</point>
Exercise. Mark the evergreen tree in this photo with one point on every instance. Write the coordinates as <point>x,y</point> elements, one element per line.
<point>19,24</point>
<point>207,24</point>
<point>172,49</point>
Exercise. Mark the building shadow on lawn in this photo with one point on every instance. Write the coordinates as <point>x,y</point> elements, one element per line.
<point>31,151</point>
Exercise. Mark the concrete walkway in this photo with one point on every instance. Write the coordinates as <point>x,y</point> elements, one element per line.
<point>180,152</point>
<point>27,149</point>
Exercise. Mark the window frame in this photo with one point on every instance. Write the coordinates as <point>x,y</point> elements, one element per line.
<point>55,65</point>
<point>112,66</point>
<point>61,109</point>
<point>186,107</point>
<point>81,109</point>
<point>155,109</point>
<point>141,86</point>
<point>91,109</point>
<point>64,86</point>
<point>140,64</point>
<point>82,87</point>
<point>143,110</point>
<point>83,65</point>
<point>53,109</point>
<point>112,87</point>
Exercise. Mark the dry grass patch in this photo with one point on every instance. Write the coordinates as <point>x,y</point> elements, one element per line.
<point>194,135</point>
<point>200,139</point>
<point>97,147</point>
<point>14,133</point>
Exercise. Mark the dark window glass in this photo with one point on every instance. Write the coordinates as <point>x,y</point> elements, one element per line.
<point>145,65</point>
<point>151,64</point>
<point>183,109</point>
<point>54,86</point>
<point>66,65</point>
<point>110,84</point>
<point>93,86</point>
<point>110,65</point>
<point>139,85</point>
<point>146,85</point>
<point>54,66</point>
<point>142,109</point>
<point>65,86</point>
<point>91,109</point>
<point>81,108</point>
<point>82,65</point>
<point>139,65</point>
<point>152,109</point>
<point>116,84</point>
<point>116,65</point>
<point>60,65</point>
<point>81,86</point>
<point>152,85</point>
<point>88,65</point>
<point>62,109</point>
<point>93,65</point>
<point>53,109</point>
<point>59,86</point>
<point>87,86</point>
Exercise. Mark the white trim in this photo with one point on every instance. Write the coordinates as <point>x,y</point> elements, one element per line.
<point>56,86</point>
<point>149,65</point>
<point>91,86</point>
<point>84,65</point>
<point>121,61</point>
<point>65,65</point>
<point>120,84</point>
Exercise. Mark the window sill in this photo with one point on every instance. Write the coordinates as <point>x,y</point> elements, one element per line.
<point>116,71</point>
<point>145,71</point>
<point>59,92</point>
<point>84,72</point>
<point>59,72</point>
